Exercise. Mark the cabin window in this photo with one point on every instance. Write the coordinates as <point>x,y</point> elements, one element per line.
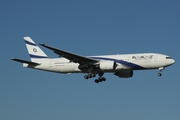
<point>133,57</point>
<point>142,57</point>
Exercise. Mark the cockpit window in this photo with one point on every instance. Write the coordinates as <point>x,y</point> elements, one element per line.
<point>168,57</point>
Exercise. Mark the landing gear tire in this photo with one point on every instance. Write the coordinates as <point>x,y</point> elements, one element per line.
<point>160,70</point>
<point>159,74</point>
<point>96,81</point>
<point>103,79</point>
<point>86,77</point>
<point>93,75</point>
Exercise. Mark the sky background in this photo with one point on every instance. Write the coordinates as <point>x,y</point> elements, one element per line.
<point>93,27</point>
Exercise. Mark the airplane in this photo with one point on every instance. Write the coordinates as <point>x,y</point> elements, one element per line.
<point>121,65</point>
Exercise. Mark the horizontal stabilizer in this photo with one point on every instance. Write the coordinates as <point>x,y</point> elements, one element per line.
<point>25,61</point>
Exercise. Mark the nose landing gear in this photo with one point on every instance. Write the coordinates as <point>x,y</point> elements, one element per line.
<point>159,74</point>
<point>160,70</point>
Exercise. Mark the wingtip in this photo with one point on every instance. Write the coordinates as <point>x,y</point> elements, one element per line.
<point>42,44</point>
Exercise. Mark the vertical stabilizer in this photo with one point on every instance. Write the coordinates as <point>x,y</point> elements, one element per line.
<point>34,51</point>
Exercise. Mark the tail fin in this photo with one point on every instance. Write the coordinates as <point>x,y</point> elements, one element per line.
<point>34,51</point>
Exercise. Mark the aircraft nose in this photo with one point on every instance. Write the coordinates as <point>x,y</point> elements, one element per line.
<point>173,61</point>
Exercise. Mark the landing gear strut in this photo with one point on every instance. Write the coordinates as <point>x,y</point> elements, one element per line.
<point>160,70</point>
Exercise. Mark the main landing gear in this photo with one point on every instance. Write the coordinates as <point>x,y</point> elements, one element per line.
<point>90,75</point>
<point>160,70</point>
<point>100,78</point>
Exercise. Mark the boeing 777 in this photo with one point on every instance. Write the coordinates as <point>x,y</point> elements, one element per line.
<point>120,65</point>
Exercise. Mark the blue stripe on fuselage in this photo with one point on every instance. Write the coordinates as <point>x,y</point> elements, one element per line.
<point>129,64</point>
<point>29,43</point>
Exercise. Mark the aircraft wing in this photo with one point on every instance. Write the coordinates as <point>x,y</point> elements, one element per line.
<point>71,56</point>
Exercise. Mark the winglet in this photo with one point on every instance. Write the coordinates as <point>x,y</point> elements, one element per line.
<point>42,44</point>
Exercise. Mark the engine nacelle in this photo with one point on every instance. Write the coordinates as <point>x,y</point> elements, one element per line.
<point>124,73</point>
<point>107,65</point>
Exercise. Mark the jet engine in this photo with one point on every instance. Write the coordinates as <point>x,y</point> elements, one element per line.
<point>124,74</point>
<point>107,65</point>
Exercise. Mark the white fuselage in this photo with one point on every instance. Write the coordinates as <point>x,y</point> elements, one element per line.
<point>123,62</point>
<point>120,65</point>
